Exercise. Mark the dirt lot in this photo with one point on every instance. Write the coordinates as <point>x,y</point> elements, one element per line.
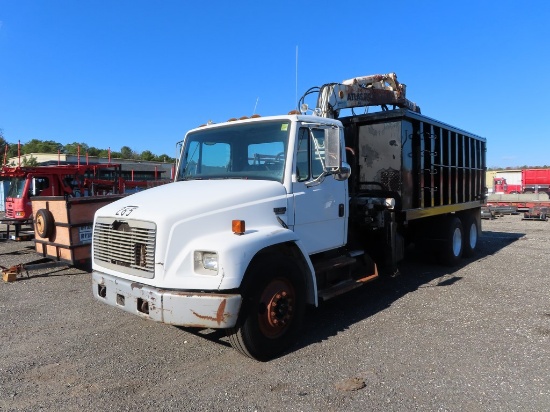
<point>472,338</point>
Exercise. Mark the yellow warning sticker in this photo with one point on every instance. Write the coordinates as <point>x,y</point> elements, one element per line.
<point>284,127</point>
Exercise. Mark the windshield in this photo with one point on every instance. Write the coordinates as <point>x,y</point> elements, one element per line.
<point>241,151</point>
<point>16,188</point>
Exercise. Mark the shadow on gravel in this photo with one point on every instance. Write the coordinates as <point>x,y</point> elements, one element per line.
<point>26,271</point>
<point>417,271</point>
<point>25,251</point>
<point>213,335</point>
<point>60,271</point>
<point>502,236</point>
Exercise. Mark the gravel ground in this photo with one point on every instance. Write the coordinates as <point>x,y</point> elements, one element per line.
<point>472,338</point>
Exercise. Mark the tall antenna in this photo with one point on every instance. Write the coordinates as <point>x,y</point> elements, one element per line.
<point>256,105</point>
<point>296,97</point>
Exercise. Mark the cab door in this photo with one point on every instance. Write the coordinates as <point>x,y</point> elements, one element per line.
<point>319,205</point>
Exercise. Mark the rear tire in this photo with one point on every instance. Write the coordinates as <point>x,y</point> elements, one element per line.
<point>273,308</point>
<point>452,246</point>
<point>471,237</point>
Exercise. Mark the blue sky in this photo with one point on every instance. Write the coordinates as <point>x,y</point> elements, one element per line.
<point>141,73</point>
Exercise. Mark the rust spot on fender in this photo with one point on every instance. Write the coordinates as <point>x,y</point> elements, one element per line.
<point>220,315</point>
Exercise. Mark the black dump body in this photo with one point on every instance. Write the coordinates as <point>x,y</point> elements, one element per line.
<point>429,167</point>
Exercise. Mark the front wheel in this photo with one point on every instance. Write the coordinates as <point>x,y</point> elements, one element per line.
<point>273,308</point>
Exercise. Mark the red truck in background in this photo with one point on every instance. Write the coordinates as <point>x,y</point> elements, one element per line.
<point>63,180</point>
<point>532,181</point>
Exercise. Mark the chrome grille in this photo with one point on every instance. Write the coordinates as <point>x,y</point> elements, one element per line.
<point>125,245</point>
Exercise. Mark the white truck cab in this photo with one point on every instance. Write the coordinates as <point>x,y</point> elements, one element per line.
<point>252,200</point>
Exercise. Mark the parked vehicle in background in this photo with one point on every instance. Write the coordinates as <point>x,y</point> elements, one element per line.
<point>532,181</point>
<point>63,180</point>
<point>270,214</point>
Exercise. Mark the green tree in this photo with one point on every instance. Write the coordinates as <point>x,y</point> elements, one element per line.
<point>29,161</point>
<point>12,150</point>
<point>50,146</point>
<point>93,151</point>
<point>3,144</point>
<point>40,146</point>
<point>72,148</point>
<point>147,155</point>
<point>127,153</point>
<point>165,158</point>
<point>103,153</point>
<point>3,141</point>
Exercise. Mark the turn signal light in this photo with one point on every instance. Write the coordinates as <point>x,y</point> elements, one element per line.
<point>238,227</point>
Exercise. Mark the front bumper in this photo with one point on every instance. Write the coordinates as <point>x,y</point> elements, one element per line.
<point>183,308</point>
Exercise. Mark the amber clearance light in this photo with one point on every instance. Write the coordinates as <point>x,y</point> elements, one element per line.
<point>238,227</point>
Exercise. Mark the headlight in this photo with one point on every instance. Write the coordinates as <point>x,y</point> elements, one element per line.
<point>210,261</point>
<point>206,263</point>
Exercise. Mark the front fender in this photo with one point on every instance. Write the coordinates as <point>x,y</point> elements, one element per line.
<point>235,253</point>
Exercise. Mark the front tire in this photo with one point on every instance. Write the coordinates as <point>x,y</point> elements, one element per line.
<point>273,308</point>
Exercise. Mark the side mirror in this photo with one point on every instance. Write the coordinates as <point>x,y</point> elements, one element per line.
<point>344,172</point>
<point>333,155</point>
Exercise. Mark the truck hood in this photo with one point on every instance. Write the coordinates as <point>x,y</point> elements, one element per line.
<point>196,215</point>
<point>181,200</point>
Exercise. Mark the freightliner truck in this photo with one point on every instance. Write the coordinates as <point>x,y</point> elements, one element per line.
<point>270,214</point>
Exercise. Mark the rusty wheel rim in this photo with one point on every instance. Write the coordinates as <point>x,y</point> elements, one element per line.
<point>276,308</point>
<point>39,224</point>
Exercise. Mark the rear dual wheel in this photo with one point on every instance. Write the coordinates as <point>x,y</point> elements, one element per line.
<point>452,244</point>
<point>471,238</point>
<point>459,238</point>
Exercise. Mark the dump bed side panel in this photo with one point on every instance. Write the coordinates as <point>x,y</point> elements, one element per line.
<point>428,164</point>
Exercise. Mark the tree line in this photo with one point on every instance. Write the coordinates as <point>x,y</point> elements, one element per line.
<point>50,146</point>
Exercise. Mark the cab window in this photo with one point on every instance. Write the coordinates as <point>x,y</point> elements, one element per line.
<point>310,154</point>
